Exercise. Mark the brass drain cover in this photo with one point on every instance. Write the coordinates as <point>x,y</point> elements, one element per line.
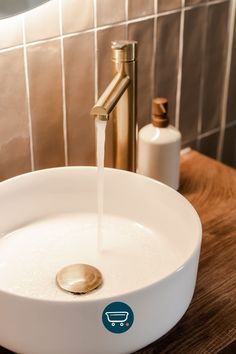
<point>79,278</point>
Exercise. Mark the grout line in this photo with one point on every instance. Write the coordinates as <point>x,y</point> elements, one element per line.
<point>63,85</point>
<point>154,57</point>
<point>210,132</point>
<point>26,72</point>
<point>95,28</point>
<point>155,6</point>
<point>126,18</point>
<point>215,2</point>
<point>198,141</point>
<point>202,79</point>
<point>230,124</point>
<point>188,141</point>
<point>42,41</point>
<point>179,77</point>
<point>95,51</point>
<point>9,49</point>
<point>231,24</point>
<point>155,3</point>
<point>204,135</point>
<point>126,22</point>
<point>154,76</point>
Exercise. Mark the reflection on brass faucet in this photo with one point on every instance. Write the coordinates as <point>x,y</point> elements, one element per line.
<point>120,97</point>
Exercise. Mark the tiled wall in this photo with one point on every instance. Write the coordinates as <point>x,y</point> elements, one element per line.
<point>55,61</point>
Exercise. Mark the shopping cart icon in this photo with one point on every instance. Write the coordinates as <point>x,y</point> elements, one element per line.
<point>119,317</point>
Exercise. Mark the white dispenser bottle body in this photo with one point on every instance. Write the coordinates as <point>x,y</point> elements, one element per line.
<point>159,154</point>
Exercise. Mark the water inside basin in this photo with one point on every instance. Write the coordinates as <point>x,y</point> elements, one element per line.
<point>133,256</point>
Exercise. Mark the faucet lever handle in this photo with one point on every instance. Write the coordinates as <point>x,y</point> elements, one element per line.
<point>124,50</point>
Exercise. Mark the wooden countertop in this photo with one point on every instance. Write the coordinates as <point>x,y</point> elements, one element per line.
<point>209,325</point>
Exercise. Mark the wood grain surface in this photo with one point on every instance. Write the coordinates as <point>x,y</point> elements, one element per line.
<point>209,325</point>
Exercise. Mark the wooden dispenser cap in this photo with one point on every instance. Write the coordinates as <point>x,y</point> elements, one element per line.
<point>159,112</point>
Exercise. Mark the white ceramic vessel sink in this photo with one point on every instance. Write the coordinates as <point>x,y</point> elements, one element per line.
<point>151,245</point>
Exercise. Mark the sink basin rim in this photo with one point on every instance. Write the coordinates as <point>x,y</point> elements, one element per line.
<point>85,298</point>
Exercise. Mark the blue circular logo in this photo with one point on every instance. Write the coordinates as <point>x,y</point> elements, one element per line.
<point>118,317</point>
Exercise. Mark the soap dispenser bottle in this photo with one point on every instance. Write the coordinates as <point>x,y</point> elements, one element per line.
<point>159,147</point>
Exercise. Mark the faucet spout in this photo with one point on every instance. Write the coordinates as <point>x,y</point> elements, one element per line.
<point>110,97</point>
<point>120,98</point>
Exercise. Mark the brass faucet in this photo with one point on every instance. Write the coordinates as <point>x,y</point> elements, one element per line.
<point>120,97</point>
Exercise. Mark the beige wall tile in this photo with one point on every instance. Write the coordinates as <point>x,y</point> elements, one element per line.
<point>105,75</point>
<point>77,15</point>
<point>46,82</point>
<point>110,11</point>
<point>167,60</point>
<point>192,70</point>
<point>46,104</point>
<point>194,2</point>
<point>208,145</point>
<point>42,22</point>
<point>231,104</point>
<point>214,65</point>
<point>139,8</point>
<point>143,33</point>
<point>79,81</point>
<point>166,5</point>
<point>14,131</point>
<point>11,33</point>
<point>105,37</point>
<point>229,149</point>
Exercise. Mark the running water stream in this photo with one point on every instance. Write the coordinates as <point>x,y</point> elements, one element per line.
<point>126,252</point>
<point>100,139</point>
